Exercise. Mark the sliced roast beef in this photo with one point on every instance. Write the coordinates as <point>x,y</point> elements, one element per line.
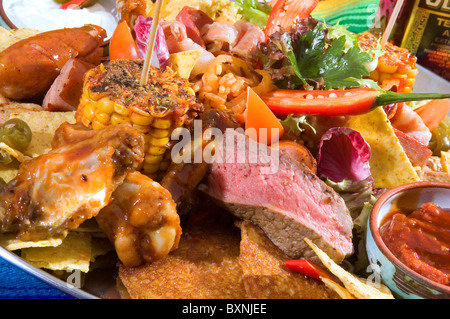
<point>65,92</point>
<point>283,197</point>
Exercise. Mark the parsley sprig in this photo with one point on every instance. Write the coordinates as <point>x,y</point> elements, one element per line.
<point>317,59</point>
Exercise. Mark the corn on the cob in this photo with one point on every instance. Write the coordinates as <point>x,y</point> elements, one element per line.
<point>396,62</point>
<point>112,95</point>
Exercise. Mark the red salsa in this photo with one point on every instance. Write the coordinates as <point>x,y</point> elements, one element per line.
<point>421,240</point>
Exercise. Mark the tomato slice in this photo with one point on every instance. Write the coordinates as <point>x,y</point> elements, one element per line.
<point>260,118</point>
<point>122,45</point>
<point>286,12</point>
<point>434,112</point>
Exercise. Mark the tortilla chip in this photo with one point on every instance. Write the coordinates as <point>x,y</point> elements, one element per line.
<point>6,38</point>
<point>341,291</point>
<point>100,247</point>
<point>389,163</point>
<point>11,243</point>
<point>359,288</point>
<point>9,37</point>
<point>204,266</point>
<point>43,125</point>
<point>73,254</point>
<point>90,226</point>
<point>24,33</point>
<point>14,153</point>
<point>8,172</point>
<point>183,62</point>
<point>265,275</point>
<point>445,161</point>
<point>218,10</point>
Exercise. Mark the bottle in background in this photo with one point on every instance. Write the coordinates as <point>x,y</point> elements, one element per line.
<point>423,28</point>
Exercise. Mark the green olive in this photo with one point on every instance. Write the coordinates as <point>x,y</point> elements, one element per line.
<point>62,1</point>
<point>2,182</point>
<point>16,134</point>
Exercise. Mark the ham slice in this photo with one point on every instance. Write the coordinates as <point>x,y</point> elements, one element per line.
<point>194,20</point>
<point>418,153</point>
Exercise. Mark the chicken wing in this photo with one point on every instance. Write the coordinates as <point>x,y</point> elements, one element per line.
<point>70,184</point>
<point>141,221</point>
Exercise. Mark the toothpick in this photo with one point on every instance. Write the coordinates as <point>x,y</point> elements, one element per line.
<point>391,22</point>
<point>151,42</point>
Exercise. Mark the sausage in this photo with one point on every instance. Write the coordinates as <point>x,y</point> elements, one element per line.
<point>66,90</point>
<point>29,67</point>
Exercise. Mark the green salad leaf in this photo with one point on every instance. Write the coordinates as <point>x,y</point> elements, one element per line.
<point>330,61</point>
<point>296,124</point>
<point>254,11</point>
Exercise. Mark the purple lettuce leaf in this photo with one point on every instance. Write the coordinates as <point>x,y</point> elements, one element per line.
<point>161,51</point>
<point>343,154</point>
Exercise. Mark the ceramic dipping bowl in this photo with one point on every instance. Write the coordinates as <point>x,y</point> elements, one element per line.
<point>404,282</point>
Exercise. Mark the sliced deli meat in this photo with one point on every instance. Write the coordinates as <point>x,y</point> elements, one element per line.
<point>282,196</point>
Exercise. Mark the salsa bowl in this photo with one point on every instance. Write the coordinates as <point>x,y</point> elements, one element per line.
<point>403,281</point>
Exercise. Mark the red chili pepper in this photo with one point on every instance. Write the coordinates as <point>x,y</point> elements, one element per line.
<point>309,268</point>
<point>285,12</point>
<point>338,102</point>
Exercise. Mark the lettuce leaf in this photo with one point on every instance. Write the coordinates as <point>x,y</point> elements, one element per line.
<point>295,124</point>
<point>254,11</point>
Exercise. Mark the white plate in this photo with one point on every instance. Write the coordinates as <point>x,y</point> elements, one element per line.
<point>45,15</point>
<point>101,283</point>
<point>427,81</point>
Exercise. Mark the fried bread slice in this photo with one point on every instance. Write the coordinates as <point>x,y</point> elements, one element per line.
<point>204,266</point>
<point>265,276</point>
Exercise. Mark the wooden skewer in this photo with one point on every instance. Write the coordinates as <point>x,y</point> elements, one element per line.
<point>151,42</point>
<point>391,23</point>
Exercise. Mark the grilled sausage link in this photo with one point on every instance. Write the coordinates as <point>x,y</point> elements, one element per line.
<point>29,67</point>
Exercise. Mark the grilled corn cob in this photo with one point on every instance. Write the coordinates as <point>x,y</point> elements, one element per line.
<point>396,62</point>
<point>112,95</point>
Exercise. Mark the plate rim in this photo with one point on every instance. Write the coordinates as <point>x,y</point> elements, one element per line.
<point>44,276</point>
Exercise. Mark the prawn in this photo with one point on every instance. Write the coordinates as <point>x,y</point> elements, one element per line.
<point>410,123</point>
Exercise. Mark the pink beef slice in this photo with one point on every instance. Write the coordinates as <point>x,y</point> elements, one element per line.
<point>288,203</point>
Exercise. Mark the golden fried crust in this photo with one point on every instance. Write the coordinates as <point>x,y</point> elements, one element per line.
<point>215,260</point>
<point>205,266</point>
<point>265,276</point>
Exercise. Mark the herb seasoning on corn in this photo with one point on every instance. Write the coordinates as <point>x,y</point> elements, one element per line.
<point>112,94</point>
